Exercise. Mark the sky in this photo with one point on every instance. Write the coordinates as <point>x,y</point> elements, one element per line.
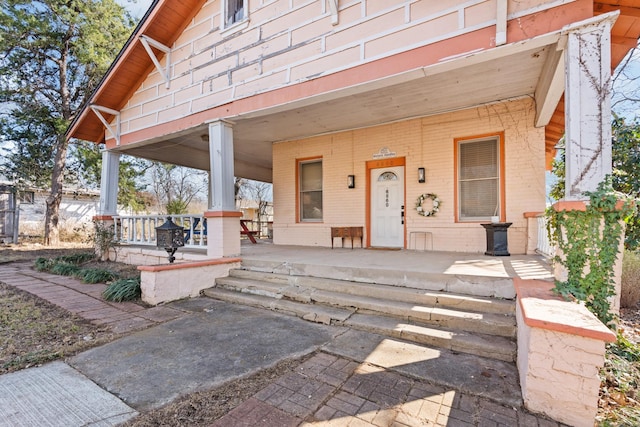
<point>137,8</point>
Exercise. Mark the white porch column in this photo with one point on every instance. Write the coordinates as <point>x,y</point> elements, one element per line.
<point>588,106</point>
<point>109,184</point>
<point>223,225</point>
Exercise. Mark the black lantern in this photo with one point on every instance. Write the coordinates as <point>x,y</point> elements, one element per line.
<point>170,237</point>
<point>421,176</point>
<point>351,181</point>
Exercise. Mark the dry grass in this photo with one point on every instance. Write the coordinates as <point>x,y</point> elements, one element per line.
<point>630,294</point>
<point>33,331</point>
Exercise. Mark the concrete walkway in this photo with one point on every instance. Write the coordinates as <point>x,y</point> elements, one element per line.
<point>351,379</point>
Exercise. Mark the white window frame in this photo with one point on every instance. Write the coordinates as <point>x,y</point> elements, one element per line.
<point>232,27</point>
<point>301,217</point>
<point>498,140</point>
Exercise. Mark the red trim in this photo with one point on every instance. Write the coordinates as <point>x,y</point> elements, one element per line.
<point>532,214</point>
<point>184,265</point>
<point>578,205</point>
<point>102,218</point>
<point>222,214</point>
<point>541,308</point>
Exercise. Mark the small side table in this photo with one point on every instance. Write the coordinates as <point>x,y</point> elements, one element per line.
<point>413,236</point>
<point>497,244</point>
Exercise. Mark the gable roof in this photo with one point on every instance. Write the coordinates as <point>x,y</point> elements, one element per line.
<point>166,20</point>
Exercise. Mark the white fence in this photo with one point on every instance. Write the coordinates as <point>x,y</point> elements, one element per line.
<point>141,229</point>
<point>544,246</point>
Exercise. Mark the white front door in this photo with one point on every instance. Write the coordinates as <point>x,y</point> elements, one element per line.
<point>387,202</point>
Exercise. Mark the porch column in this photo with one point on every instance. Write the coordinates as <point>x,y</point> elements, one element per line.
<point>588,157</point>
<point>223,225</point>
<point>588,107</point>
<point>109,184</point>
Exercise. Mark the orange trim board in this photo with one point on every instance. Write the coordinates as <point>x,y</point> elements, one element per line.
<point>542,309</point>
<point>222,214</point>
<point>185,265</point>
<point>578,205</point>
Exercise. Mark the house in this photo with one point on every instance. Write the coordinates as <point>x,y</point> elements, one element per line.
<point>472,95</point>
<point>412,122</point>
<point>77,209</point>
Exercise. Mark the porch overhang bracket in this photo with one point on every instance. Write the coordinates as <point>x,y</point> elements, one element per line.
<point>333,7</point>
<point>165,72</point>
<point>98,110</point>
<point>550,86</point>
<point>501,22</point>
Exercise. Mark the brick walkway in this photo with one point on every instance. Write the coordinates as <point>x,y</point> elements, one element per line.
<point>332,391</point>
<point>84,299</point>
<point>325,390</point>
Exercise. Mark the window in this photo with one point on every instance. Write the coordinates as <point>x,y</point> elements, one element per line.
<point>234,11</point>
<point>310,186</point>
<point>26,197</point>
<point>479,182</point>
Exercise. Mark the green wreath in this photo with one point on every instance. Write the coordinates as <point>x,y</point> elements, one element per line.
<point>434,200</point>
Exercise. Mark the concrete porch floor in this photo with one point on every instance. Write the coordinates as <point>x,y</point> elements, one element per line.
<point>429,262</point>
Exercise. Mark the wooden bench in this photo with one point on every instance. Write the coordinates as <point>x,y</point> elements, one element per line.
<point>349,232</point>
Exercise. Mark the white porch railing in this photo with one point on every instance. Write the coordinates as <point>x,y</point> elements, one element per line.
<point>544,246</point>
<point>140,229</point>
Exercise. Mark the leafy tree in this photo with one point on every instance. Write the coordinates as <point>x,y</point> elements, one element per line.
<point>87,157</point>
<point>176,186</point>
<point>52,54</point>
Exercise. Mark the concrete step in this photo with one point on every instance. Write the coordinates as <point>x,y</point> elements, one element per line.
<point>312,312</point>
<point>407,311</point>
<point>386,292</point>
<point>499,348</point>
<point>494,347</point>
<point>482,286</point>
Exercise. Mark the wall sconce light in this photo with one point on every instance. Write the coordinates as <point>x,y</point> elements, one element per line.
<point>351,181</point>
<point>421,177</point>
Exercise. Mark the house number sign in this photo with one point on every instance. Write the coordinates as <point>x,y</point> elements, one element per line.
<point>384,153</point>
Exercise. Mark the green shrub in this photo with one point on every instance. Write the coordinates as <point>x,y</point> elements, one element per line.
<point>96,275</point>
<point>630,292</point>
<point>44,264</point>
<point>79,258</point>
<point>123,290</point>
<point>64,269</point>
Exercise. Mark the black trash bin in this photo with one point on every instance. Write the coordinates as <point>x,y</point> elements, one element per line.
<point>497,244</point>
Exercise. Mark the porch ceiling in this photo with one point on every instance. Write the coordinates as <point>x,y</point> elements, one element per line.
<point>469,81</point>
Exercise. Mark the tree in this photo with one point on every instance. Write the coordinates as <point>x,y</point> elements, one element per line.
<point>176,186</point>
<point>87,162</point>
<point>53,53</point>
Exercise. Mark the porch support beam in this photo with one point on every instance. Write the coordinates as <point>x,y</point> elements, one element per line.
<point>109,184</point>
<point>98,110</point>
<point>588,105</point>
<point>165,72</point>
<point>550,87</point>
<point>223,225</point>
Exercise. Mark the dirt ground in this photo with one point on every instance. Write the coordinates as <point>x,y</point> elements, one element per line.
<point>52,333</point>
